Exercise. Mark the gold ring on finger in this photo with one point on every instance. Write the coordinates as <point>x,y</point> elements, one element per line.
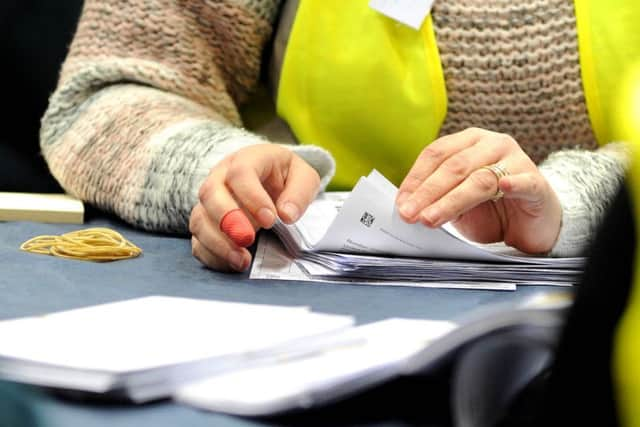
<point>500,171</point>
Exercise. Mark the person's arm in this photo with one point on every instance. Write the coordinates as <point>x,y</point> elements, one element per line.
<point>586,183</point>
<point>147,104</point>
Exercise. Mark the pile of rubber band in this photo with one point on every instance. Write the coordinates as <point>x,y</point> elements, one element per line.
<point>91,244</point>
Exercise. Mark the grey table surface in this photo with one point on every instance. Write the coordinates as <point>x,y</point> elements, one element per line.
<point>36,284</point>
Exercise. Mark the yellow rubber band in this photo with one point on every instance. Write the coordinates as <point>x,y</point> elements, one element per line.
<point>91,244</point>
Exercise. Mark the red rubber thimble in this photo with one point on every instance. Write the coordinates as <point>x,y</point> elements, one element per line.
<point>236,225</point>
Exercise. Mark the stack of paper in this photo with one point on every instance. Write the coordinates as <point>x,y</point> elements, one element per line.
<point>359,235</point>
<point>368,355</point>
<point>243,358</point>
<point>143,349</point>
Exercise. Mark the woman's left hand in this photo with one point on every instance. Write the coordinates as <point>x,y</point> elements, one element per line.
<point>449,182</point>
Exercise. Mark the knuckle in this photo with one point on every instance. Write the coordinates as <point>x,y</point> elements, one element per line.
<point>432,152</point>
<point>234,171</point>
<point>195,247</point>
<point>195,221</point>
<point>208,259</point>
<point>424,194</point>
<point>495,149</point>
<point>474,131</point>
<point>485,181</point>
<point>412,180</point>
<point>226,255</point>
<point>205,191</point>
<point>457,166</point>
<point>507,141</point>
<point>534,184</point>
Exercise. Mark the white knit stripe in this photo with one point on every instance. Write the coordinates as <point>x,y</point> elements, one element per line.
<point>585,183</point>
<point>160,138</point>
<point>319,159</point>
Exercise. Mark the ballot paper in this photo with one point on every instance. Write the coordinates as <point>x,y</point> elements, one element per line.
<point>142,349</point>
<point>360,236</point>
<point>273,262</point>
<point>368,355</point>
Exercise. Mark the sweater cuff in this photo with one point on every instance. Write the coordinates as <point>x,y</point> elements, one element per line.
<point>319,159</point>
<point>585,183</point>
<point>575,228</point>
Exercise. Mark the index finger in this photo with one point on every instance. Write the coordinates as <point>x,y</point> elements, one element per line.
<point>249,176</point>
<point>224,212</point>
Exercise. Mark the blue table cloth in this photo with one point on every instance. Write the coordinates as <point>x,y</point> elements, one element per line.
<point>33,284</point>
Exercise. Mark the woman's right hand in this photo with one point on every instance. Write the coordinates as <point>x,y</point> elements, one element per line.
<point>265,181</point>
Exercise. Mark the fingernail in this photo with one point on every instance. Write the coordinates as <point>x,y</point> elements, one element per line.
<point>504,184</point>
<point>236,259</point>
<point>291,211</point>
<point>408,209</point>
<point>266,217</point>
<point>431,217</point>
<point>402,197</point>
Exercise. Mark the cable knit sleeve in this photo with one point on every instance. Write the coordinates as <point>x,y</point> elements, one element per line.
<point>585,182</point>
<point>147,103</point>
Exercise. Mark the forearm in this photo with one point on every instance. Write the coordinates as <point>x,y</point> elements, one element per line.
<point>585,182</point>
<point>140,153</point>
<point>147,102</point>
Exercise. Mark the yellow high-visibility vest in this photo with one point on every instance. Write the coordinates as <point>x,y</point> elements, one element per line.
<point>626,352</point>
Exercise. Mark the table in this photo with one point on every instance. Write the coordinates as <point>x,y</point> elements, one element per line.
<point>35,284</point>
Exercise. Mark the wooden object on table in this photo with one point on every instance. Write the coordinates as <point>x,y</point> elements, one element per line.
<point>56,208</point>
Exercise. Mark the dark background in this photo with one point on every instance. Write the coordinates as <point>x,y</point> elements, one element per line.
<point>34,38</point>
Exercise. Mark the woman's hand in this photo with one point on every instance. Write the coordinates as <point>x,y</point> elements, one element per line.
<point>448,183</point>
<point>265,181</point>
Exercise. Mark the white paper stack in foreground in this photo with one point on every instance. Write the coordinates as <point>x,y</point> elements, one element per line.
<point>142,349</point>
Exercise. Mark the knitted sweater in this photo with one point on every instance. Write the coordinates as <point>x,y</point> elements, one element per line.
<point>148,101</point>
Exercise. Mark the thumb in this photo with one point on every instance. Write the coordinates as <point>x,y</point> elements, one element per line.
<point>530,190</point>
<point>530,187</point>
